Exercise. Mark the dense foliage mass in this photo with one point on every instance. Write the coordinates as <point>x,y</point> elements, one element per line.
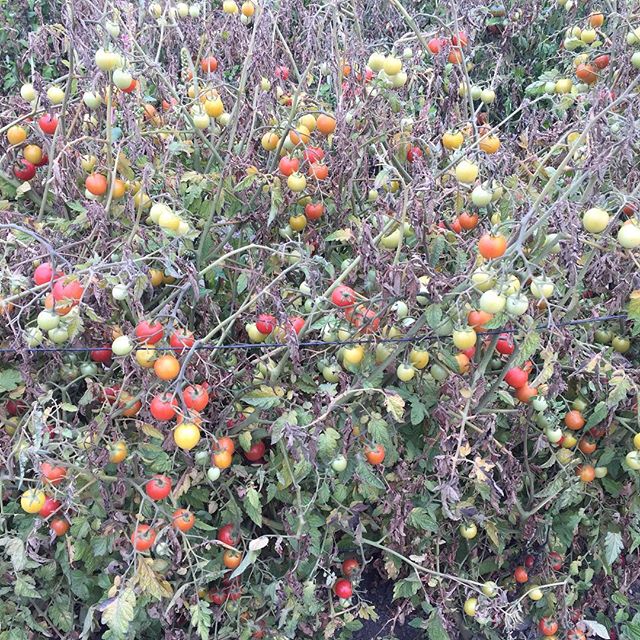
<point>297,293</point>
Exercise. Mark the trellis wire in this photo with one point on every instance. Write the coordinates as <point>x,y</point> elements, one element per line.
<point>319,343</point>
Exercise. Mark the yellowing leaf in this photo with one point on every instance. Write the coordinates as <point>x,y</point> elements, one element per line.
<point>151,431</point>
<point>150,582</point>
<point>395,405</point>
<point>118,614</point>
<point>480,469</point>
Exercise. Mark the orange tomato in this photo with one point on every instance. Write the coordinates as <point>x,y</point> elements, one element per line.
<point>376,455</point>
<point>167,367</point>
<point>231,559</point>
<point>326,124</point>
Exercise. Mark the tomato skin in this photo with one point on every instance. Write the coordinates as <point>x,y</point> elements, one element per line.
<point>313,154</point>
<point>102,355</point>
<point>24,170</point>
<point>574,420</point>
<point>53,475</point>
<point>492,247</point>
<point>586,473</point>
<point>50,506</point>
<point>217,597</point>
<point>376,455</point>
<point>414,153</point>
<point>516,377</point>
<point>143,537</point>
<point>529,561</point>
<point>349,567</point>
<point>256,452</point>
<point>343,589</point>
<point>150,333</point>
<point>71,291</point>
<point>228,535</point>
<point>195,397</point>
<point>343,296</point>
<point>521,575</point>
<point>167,367</point>
<point>48,123</point>
<point>547,626</point>
<point>183,520</point>
<point>505,345</point>
<point>314,211</point>
<point>181,340</point>
<point>209,64</point>
<point>288,166</point>
<point>164,406</point>
<point>223,450</point>
<point>59,526</point>
<point>555,561</point>
<point>44,274</point>
<point>266,323</point>
<point>231,559</point>
<point>96,184</point>
<point>326,124</point>
<point>296,323</point>
<point>525,393</point>
<point>159,487</point>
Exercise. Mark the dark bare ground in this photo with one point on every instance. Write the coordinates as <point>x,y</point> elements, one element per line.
<point>379,592</point>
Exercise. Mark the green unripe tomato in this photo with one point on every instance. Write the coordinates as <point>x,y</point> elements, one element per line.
<point>339,463</point>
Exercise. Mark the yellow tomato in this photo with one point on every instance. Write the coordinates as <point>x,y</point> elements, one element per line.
<point>118,452</point>
<point>16,134</point>
<point>353,355</point>
<point>32,500</point>
<point>145,357</point>
<point>186,435</point>
<point>418,358</point>
<point>464,338</point>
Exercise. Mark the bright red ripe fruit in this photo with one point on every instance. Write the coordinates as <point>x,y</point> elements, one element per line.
<point>44,274</point>
<point>555,561</point>
<point>296,323</point>
<point>15,407</point>
<point>282,72</point>
<point>43,160</point>
<point>59,526</point>
<point>414,153</point>
<point>149,332</point>
<point>266,323</point>
<point>350,566</point>
<point>435,45</point>
<point>547,626</point>
<point>71,291</point>
<point>101,355</point>
<point>195,397</point>
<point>521,575</point>
<point>53,475</point>
<point>50,506</point>
<point>470,352</point>
<point>288,165</point>
<point>48,123</point>
<point>159,487</point>
<point>143,537</point>
<point>314,211</point>
<point>529,561</point>
<point>516,377</point>
<point>24,170</point>
<point>343,589</point>
<point>461,39</point>
<point>209,64</point>
<point>313,154</point>
<point>182,339</point>
<point>228,535</point>
<point>256,451</point>
<point>163,407</point>
<point>343,296</point>
<point>217,597</point>
<point>505,345</point>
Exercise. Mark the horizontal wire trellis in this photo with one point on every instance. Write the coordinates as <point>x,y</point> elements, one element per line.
<point>321,343</point>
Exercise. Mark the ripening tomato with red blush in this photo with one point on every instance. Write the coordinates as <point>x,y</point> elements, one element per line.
<point>159,487</point>
<point>48,123</point>
<point>505,344</point>
<point>103,354</point>
<point>343,296</point>
<point>149,332</point>
<point>266,323</point>
<point>516,377</point>
<point>181,339</point>
<point>343,589</point>
<point>143,537</point>
<point>256,451</point>
<point>196,397</point>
